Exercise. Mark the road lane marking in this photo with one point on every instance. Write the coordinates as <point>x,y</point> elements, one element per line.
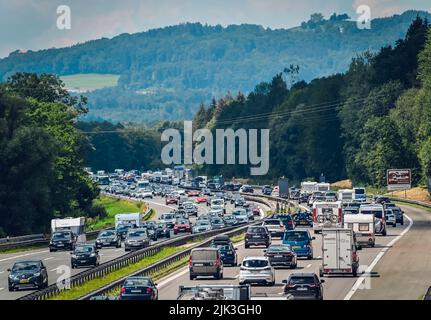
<point>1,289</point>
<point>308,266</point>
<point>50,258</point>
<point>319,257</point>
<point>55,269</point>
<point>370,268</point>
<point>1,272</point>
<point>23,255</point>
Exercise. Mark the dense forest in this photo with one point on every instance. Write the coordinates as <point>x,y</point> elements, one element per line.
<point>356,124</point>
<point>166,73</point>
<point>41,156</point>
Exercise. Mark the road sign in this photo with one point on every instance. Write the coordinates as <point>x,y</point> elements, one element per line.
<point>399,179</point>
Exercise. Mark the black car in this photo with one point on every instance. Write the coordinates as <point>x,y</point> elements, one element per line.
<point>382,199</point>
<point>247,189</point>
<point>139,288</point>
<point>256,236</point>
<point>122,230</point>
<point>287,220</point>
<point>62,240</point>
<point>163,231</point>
<point>151,227</point>
<point>302,219</point>
<point>27,274</point>
<point>281,255</point>
<point>303,198</point>
<point>108,238</point>
<point>85,255</point>
<point>267,190</point>
<point>304,286</point>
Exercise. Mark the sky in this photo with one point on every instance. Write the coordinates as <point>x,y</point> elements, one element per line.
<point>32,24</point>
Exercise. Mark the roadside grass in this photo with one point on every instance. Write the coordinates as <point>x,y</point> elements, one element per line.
<point>413,205</point>
<point>90,81</point>
<point>89,286</point>
<point>114,206</point>
<point>23,249</point>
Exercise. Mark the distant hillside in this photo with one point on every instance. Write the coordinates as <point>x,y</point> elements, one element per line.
<point>166,73</point>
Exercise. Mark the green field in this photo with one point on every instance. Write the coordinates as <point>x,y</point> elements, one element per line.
<point>114,206</point>
<point>90,81</point>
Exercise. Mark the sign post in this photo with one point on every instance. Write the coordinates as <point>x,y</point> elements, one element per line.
<point>399,179</point>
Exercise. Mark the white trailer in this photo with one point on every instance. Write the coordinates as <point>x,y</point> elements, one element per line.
<point>129,218</point>
<point>363,227</point>
<point>339,254</point>
<point>76,225</point>
<point>346,195</point>
<point>308,187</point>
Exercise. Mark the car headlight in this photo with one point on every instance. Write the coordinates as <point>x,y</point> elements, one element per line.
<point>92,255</point>
<point>73,256</point>
<point>36,274</point>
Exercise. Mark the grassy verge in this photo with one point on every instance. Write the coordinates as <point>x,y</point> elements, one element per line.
<point>114,206</point>
<point>413,205</point>
<point>23,249</point>
<point>94,284</point>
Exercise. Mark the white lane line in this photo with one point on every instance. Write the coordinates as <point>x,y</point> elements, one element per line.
<point>1,289</point>
<point>237,276</point>
<point>55,269</point>
<point>23,255</point>
<point>1,272</point>
<point>308,266</point>
<point>370,268</point>
<point>319,257</point>
<point>50,258</point>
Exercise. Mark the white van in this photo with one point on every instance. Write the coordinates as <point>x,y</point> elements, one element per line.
<point>339,254</point>
<point>327,215</point>
<point>379,213</point>
<point>346,195</point>
<point>76,225</point>
<point>363,227</point>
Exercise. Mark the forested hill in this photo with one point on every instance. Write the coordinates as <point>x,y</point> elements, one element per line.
<point>166,73</point>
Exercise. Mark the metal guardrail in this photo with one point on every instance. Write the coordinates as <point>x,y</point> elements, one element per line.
<point>419,203</point>
<point>130,258</point>
<point>158,265</point>
<point>427,295</point>
<point>22,238</point>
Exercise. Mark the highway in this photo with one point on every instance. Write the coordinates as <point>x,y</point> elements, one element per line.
<point>53,260</point>
<point>335,287</point>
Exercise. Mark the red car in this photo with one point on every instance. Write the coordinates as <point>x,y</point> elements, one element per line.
<point>182,226</point>
<point>171,200</point>
<point>202,199</point>
<point>256,211</point>
<point>192,193</point>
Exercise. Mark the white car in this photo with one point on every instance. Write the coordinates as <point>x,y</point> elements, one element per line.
<point>256,270</point>
<point>241,215</point>
<point>144,194</point>
<point>390,217</point>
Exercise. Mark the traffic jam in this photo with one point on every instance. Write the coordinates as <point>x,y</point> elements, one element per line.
<point>284,254</point>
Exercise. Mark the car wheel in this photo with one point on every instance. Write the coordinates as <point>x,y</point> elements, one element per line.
<point>73,266</point>
<point>310,257</point>
<point>247,246</point>
<point>402,222</point>
<point>119,244</point>
<point>11,289</point>
<point>294,266</point>
<point>384,233</point>
<point>192,277</point>
<point>394,225</point>
<point>355,272</point>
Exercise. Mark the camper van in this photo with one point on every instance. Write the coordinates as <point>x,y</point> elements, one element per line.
<point>134,219</point>
<point>379,213</point>
<point>363,227</point>
<point>327,215</point>
<point>345,195</point>
<point>322,187</point>
<point>339,254</point>
<point>66,232</point>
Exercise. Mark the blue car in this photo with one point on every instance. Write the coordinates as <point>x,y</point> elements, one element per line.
<point>227,253</point>
<point>300,242</point>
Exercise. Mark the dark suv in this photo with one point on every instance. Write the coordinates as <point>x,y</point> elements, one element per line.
<point>304,286</point>
<point>256,236</point>
<point>62,240</point>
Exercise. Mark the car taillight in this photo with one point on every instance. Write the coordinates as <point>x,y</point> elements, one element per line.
<point>314,214</point>
<point>217,262</point>
<point>190,261</point>
<point>149,290</point>
<point>340,212</point>
<point>123,290</point>
<point>287,255</point>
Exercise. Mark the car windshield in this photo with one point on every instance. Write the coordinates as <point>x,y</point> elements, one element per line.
<point>296,236</point>
<point>217,202</point>
<point>137,282</point>
<point>202,223</point>
<point>273,222</point>
<point>84,249</point>
<point>239,213</point>
<point>278,248</point>
<point>301,280</point>
<point>256,230</point>
<point>377,213</point>
<point>229,217</point>
<point>107,234</point>
<point>255,263</point>
<point>60,235</point>
<point>182,222</point>
<point>223,247</point>
<point>135,234</point>
<point>123,228</point>
<point>168,216</point>
<point>216,221</point>
<point>26,266</point>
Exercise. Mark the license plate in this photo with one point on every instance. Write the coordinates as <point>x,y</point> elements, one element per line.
<point>198,264</point>
<point>107,243</point>
<point>256,237</point>
<point>82,261</point>
<point>302,289</point>
<point>24,281</point>
<point>136,291</point>
<point>296,247</point>
<point>60,245</point>
<point>278,256</point>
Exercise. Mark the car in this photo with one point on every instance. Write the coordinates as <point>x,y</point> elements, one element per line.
<point>399,214</point>
<point>287,220</point>
<point>182,225</point>
<point>382,199</point>
<point>27,274</point>
<point>330,196</point>
<point>217,223</point>
<point>139,288</point>
<point>350,210</point>
<point>205,262</point>
<point>246,189</point>
<point>168,218</point>
<point>267,190</point>
<point>108,238</point>
<point>170,199</point>
<point>122,230</point>
<point>300,242</point>
<point>191,210</point>
<point>229,220</point>
<point>390,217</point>
<point>201,199</point>
<point>62,240</point>
<point>151,230</point>
<point>227,253</point>
<point>241,215</point>
<point>192,193</point>
<point>304,286</point>
<point>255,210</point>
<point>302,219</point>
<point>275,227</point>
<point>145,194</point>
<point>136,239</point>
<point>202,226</point>
<point>256,270</point>
<point>163,230</point>
<point>85,255</point>
<point>256,236</point>
<point>239,202</point>
<point>281,255</point>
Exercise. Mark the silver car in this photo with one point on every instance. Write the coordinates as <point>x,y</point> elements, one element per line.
<point>136,239</point>
<point>391,217</point>
<point>257,270</point>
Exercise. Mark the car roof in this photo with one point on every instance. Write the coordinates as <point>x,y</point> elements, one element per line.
<point>302,275</point>
<point>256,258</point>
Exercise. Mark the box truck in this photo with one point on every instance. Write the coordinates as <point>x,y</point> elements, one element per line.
<point>339,252</point>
